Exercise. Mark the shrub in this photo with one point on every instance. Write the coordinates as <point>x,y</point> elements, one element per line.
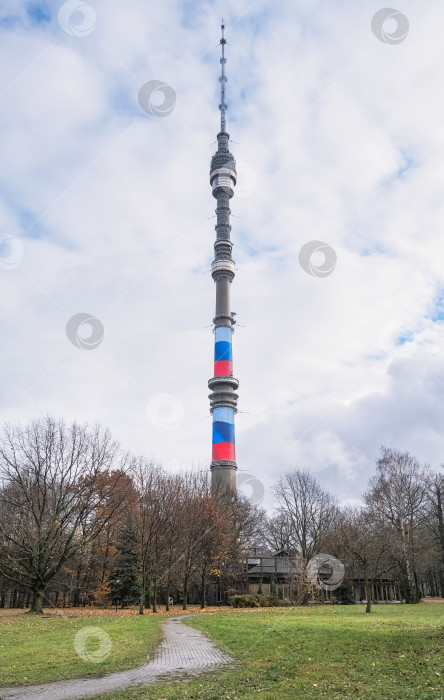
<point>244,601</point>
<point>344,594</point>
<point>254,601</point>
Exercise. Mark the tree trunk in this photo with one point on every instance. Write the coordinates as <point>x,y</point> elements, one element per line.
<point>76,601</point>
<point>406,583</point>
<point>410,589</point>
<point>167,606</point>
<point>417,591</point>
<point>155,596</point>
<point>440,513</point>
<point>142,599</point>
<point>368,593</point>
<point>202,599</point>
<point>185,596</point>
<point>37,600</point>
<point>148,592</point>
<point>441,583</point>
<point>105,559</point>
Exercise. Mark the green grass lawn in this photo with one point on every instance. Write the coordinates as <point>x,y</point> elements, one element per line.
<point>37,649</point>
<point>396,653</point>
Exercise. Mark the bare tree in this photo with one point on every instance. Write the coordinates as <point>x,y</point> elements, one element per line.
<point>361,540</point>
<point>214,549</point>
<point>435,521</point>
<point>190,531</point>
<point>171,525</point>
<point>163,545</point>
<point>278,533</point>
<point>307,508</point>
<point>398,494</point>
<point>148,479</point>
<point>243,531</point>
<point>56,495</point>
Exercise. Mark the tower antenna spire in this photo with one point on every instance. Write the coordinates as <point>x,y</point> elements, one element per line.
<point>223,81</point>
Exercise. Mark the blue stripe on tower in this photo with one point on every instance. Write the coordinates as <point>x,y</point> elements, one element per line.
<point>223,432</point>
<point>222,351</point>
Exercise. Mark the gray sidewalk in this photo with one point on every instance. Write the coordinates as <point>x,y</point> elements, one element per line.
<point>184,653</point>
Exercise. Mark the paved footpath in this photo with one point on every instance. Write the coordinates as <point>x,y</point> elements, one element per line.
<point>184,653</point>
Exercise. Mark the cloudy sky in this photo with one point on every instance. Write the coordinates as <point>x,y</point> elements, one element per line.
<point>336,114</point>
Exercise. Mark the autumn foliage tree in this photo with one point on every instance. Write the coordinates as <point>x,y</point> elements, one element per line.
<point>81,523</point>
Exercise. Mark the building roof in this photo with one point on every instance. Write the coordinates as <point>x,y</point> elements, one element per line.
<point>271,566</point>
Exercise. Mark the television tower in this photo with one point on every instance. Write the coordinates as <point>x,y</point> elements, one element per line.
<point>223,399</point>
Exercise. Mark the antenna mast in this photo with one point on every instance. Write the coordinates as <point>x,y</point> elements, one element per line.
<point>223,80</point>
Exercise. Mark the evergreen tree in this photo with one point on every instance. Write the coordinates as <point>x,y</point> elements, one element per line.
<point>125,580</point>
<point>344,594</point>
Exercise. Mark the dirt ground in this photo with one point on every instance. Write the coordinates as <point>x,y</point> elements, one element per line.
<point>174,611</point>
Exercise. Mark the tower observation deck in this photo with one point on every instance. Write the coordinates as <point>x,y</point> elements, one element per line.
<point>223,386</point>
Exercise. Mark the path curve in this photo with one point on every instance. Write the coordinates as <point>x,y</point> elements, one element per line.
<point>184,653</point>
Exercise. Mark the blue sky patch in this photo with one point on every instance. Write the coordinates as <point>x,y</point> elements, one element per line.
<point>39,13</point>
<point>406,337</point>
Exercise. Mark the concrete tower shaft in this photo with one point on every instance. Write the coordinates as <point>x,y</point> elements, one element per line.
<point>223,399</point>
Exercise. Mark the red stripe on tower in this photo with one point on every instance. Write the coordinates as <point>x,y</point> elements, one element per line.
<point>223,368</point>
<point>224,450</point>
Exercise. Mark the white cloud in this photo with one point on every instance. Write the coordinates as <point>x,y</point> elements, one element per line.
<point>341,135</point>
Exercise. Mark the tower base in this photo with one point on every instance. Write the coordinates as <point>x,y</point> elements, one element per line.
<point>223,477</point>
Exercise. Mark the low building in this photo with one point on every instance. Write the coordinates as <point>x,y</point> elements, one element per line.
<point>280,574</point>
